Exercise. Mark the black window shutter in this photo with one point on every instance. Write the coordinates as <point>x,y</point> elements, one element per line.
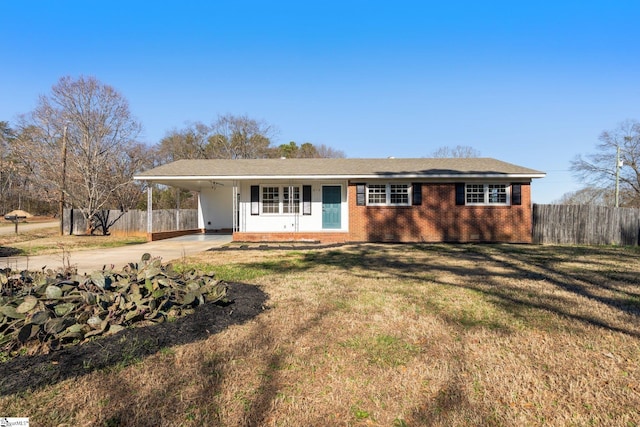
<point>460,193</point>
<point>516,194</point>
<point>360,195</point>
<point>416,194</point>
<point>255,200</point>
<point>306,200</point>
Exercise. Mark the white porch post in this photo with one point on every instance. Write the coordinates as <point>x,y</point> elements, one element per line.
<point>201,224</point>
<point>235,211</point>
<point>149,210</point>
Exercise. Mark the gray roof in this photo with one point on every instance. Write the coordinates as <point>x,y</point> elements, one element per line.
<point>336,168</point>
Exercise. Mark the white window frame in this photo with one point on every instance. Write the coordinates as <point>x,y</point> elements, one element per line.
<point>295,207</point>
<point>293,204</point>
<point>388,186</point>
<point>486,194</point>
<point>370,193</point>
<point>276,204</point>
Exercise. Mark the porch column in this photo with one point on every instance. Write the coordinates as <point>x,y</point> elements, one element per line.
<point>236,208</point>
<point>149,211</point>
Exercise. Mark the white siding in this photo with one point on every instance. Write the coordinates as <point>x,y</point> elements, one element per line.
<point>216,207</point>
<point>290,222</point>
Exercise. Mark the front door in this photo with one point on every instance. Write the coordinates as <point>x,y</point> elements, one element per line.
<point>331,202</point>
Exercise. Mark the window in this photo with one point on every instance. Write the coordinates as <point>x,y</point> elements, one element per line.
<point>475,193</point>
<point>497,193</point>
<point>486,194</point>
<point>289,203</point>
<point>389,194</point>
<point>270,200</point>
<point>399,194</point>
<point>291,200</point>
<point>377,194</point>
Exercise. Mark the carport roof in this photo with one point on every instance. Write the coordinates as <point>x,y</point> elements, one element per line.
<point>242,169</point>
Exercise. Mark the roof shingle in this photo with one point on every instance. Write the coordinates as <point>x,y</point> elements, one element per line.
<point>287,168</point>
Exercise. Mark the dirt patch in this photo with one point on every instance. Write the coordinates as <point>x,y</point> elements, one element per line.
<point>27,372</point>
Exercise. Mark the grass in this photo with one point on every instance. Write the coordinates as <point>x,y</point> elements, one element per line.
<point>389,335</point>
<point>48,241</point>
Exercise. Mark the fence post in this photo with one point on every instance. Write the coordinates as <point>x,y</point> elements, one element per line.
<point>178,210</point>
<point>149,211</point>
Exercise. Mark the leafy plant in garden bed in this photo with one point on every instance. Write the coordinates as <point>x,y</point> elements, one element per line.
<point>53,308</point>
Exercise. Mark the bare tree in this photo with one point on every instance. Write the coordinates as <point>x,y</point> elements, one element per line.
<point>599,169</point>
<point>7,166</point>
<point>328,152</point>
<point>588,196</point>
<point>234,137</point>
<point>306,151</point>
<point>94,122</point>
<point>459,151</point>
<point>240,137</point>
<point>132,160</point>
<point>189,143</point>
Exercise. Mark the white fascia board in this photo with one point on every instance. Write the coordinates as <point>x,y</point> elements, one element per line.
<point>447,176</point>
<point>352,177</point>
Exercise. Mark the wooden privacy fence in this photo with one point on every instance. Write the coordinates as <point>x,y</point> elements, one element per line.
<point>585,225</point>
<point>134,222</point>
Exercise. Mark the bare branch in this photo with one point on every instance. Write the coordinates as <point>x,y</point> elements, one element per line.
<point>459,151</point>
<point>599,169</point>
<point>99,130</point>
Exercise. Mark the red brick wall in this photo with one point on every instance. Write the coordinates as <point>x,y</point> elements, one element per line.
<point>438,219</point>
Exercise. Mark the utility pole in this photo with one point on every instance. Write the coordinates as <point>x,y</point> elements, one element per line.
<point>63,184</point>
<point>618,176</point>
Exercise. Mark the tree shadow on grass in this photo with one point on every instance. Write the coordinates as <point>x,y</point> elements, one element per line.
<point>591,278</point>
<point>30,372</point>
<point>601,275</point>
<point>496,271</point>
<point>212,372</point>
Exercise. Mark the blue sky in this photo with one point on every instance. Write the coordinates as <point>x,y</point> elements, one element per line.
<point>529,82</point>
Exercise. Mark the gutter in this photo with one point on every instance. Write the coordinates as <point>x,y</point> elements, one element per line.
<point>351,177</point>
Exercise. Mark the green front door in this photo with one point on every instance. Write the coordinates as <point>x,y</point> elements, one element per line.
<point>331,202</point>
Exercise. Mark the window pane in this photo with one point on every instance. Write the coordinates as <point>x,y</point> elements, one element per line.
<point>291,200</point>
<point>475,193</point>
<point>497,193</point>
<point>270,200</point>
<point>377,193</point>
<point>399,194</point>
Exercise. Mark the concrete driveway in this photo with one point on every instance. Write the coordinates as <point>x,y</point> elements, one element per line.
<point>94,259</point>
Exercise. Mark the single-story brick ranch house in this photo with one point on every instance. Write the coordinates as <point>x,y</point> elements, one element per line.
<point>358,200</point>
